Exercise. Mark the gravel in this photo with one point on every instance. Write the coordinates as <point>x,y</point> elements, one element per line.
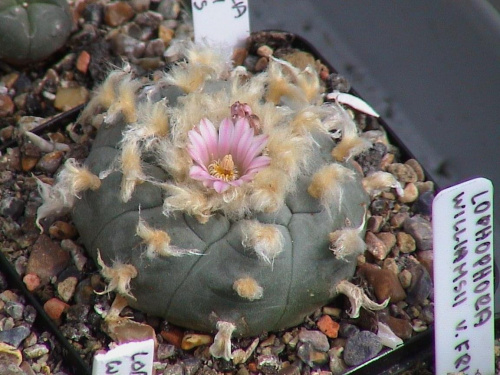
<point>55,267</point>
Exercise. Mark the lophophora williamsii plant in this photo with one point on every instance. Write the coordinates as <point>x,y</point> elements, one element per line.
<point>218,199</point>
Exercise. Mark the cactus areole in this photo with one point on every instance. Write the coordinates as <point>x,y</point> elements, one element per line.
<point>220,189</point>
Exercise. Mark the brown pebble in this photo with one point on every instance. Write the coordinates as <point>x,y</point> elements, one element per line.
<point>398,219</point>
<point>261,64</point>
<point>28,163</point>
<point>389,239</point>
<point>376,246</point>
<point>70,97</point>
<point>387,160</point>
<point>49,163</point>
<point>66,288</point>
<point>118,13</point>
<point>31,281</point>
<point>384,282</point>
<point>424,186</point>
<point>406,242</point>
<point>54,308</point>
<point>6,105</point>
<point>62,230</point>
<point>10,79</point>
<point>166,34</point>
<point>405,278</point>
<point>123,330</point>
<point>83,61</point>
<point>421,230</point>
<point>265,51</point>
<point>410,193</point>
<point>193,340</point>
<point>47,259</point>
<point>391,265</point>
<point>401,327</point>
<point>402,172</point>
<point>375,223</point>
<point>415,165</point>
<point>426,258</point>
<point>239,56</point>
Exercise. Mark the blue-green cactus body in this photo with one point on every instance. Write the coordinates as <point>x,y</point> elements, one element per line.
<point>31,30</point>
<point>196,291</point>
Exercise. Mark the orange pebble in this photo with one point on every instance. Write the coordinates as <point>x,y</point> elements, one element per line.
<point>54,308</point>
<point>173,336</point>
<point>32,281</point>
<point>328,326</point>
<point>82,64</point>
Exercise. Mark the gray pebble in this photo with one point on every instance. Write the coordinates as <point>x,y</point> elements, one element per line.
<point>165,351</point>
<point>423,205</point>
<point>268,363</point>
<point>11,207</point>
<point>421,285</point>
<point>289,370</point>
<point>14,309</point>
<point>310,356</point>
<point>191,365</point>
<point>174,370</point>
<point>14,336</point>
<point>36,351</point>
<point>361,347</point>
<point>421,230</point>
<point>149,18</point>
<point>317,339</point>
<point>347,330</point>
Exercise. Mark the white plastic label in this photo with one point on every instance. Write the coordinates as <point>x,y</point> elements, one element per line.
<point>133,358</point>
<point>462,221</point>
<point>224,22</point>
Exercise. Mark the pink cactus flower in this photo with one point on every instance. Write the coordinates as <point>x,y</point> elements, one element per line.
<point>229,157</point>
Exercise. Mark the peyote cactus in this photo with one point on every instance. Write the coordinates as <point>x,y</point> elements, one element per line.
<point>31,30</point>
<point>223,199</point>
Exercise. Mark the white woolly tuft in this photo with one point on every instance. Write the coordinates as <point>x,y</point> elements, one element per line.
<point>265,239</point>
<point>268,190</point>
<point>221,348</point>
<point>131,167</point>
<point>248,288</point>
<point>119,276</point>
<point>158,242</point>
<point>380,181</point>
<point>347,241</point>
<point>59,198</point>
<point>326,184</point>
<point>192,201</point>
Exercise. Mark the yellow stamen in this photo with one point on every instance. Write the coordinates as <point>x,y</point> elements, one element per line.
<point>224,169</point>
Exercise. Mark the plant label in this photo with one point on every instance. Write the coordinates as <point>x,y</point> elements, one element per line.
<point>223,22</point>
<point>462,222</point>
<point>133,358</point>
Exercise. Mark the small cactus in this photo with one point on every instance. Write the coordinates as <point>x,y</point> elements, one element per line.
<point>31,30</point>
<point>222,190</point>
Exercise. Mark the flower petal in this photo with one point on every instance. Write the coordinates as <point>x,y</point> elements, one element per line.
<point>226,130</point>
<point>198,151</point>
<point>243,145</point>
<point>209,134</point>
<point>258,163</point>
<point>199,173</point>
<point>258,144</point>
<point>221,186</point>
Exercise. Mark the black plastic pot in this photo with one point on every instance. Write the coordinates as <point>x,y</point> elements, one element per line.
<point>415,353</point>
